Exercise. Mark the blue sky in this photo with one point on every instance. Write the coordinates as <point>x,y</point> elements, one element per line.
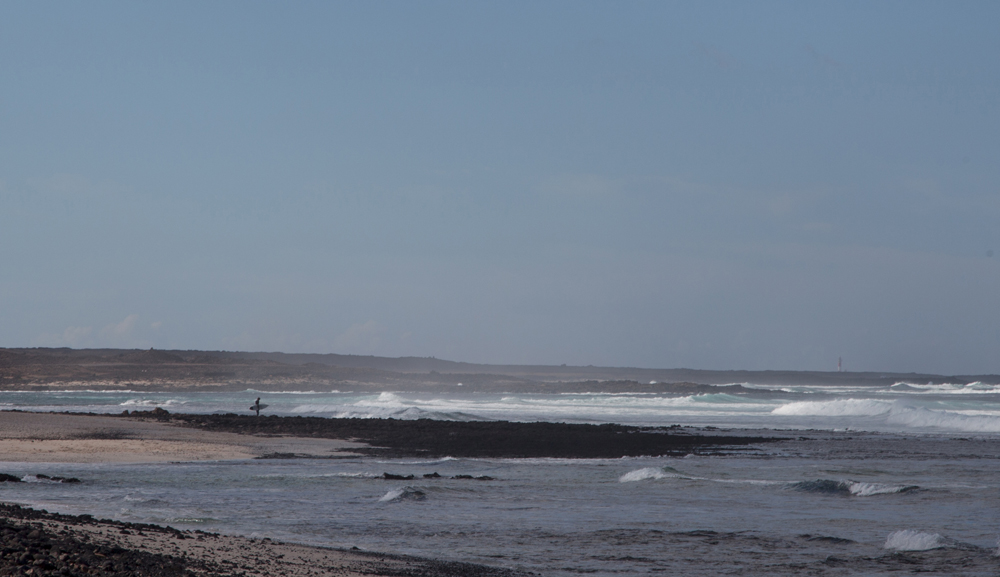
<point>720,185</point>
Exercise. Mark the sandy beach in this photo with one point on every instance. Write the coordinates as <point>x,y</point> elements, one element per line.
<point>64,438</point>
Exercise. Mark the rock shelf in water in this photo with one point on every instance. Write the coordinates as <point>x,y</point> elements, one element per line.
<point>479,439</point>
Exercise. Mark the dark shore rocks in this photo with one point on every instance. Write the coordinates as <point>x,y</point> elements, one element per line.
<point>434,475</point>
<point>38,543</point>
<point>27,549</point>
<point>57,479</point>
<point>483,439</point>
<point>6,478</point>
<point>391,477</point>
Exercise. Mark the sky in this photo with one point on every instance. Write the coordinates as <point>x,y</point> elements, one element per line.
<point>716,185</point>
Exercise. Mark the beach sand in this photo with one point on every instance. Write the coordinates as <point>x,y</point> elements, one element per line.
<point>66,438</point>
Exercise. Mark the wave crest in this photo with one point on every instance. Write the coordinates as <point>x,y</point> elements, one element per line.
<point>837,408</point>
<point>912,540</point>
<point>648,473</point>
<point>404,494</point>
<point>850,488</point>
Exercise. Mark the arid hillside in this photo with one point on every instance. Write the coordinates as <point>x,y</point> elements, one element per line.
<point>40,368</point>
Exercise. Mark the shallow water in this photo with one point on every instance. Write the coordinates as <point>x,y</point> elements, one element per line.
<point>556,517</point>
<point>923,497</point>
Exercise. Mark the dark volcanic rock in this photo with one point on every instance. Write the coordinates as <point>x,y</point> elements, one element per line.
<point>491,439</point>
<point>391,477</point>
<point>36,542</point>
<point>24,547</point>
<point>57,479</point>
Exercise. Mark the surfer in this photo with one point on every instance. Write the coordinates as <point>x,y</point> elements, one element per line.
<point>256,406</point>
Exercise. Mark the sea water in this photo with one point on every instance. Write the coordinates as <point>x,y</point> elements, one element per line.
<point>902,407</point>
<point>868,477</point>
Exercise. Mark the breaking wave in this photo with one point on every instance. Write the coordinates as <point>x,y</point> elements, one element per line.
<point>897,414</point>
<point>850,488</point>
<point>388,412</point>
<point>911,540</point>
<point>821,486</point>
<point>837,408</point>
<point>151,403</point>
<point>649,473</point>
<point>404,494</point>
<point>946,388</point>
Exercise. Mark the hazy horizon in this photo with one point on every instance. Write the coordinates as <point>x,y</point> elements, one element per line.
<point>717,185</point>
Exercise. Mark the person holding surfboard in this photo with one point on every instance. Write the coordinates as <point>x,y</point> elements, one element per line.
<point>257,406</point>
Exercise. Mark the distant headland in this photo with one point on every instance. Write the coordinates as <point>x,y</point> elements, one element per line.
<point>136,369</point>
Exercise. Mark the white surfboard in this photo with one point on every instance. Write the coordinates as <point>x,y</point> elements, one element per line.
<point>260,406</point>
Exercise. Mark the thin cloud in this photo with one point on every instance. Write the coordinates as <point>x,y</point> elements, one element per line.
<point>120,330</point>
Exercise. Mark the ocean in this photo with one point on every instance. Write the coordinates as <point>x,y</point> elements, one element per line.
<point>874,480</point>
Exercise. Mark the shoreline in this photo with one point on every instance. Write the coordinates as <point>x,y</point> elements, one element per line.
<point>36,542</point>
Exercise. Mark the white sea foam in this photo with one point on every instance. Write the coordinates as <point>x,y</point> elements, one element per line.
<point>869,489</point>
<point>977,387</point>
<point>385,398</point>
<point>289,392</point>
<point>347,475</point>
<point>403,494</point>
<point>34,479</point>
<point>670,473</point>
<point>646,473</point>
<point>151,403</point>
<point>912,540</point>
<point>836,408</point>
<point>421,462</point>
<point>926,418</point>
<point>907,407</point>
